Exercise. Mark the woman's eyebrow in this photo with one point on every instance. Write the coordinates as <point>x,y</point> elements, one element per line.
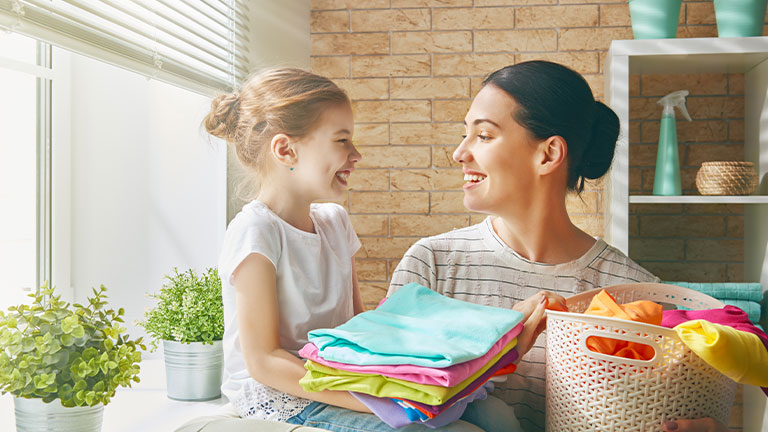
<point>482,120</point>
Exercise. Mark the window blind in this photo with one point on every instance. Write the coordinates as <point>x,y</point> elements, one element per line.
<point>201,45</point>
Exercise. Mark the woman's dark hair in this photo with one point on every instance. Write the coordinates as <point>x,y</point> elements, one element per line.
<point>555,100</point>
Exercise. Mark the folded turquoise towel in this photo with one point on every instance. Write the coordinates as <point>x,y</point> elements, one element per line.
<point>416,326</point>
<point>726,290</point>
<point>751,308</point>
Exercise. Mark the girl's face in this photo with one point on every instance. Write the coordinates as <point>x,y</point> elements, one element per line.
<point>497,155</point>
<point>327,156</point>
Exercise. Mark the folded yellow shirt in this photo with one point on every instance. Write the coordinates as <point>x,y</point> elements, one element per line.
<point>320,377</point>
<point>738,355</point>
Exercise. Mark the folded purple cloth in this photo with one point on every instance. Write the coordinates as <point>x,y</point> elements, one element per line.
<point>506,360</point>
<point>395,416</point>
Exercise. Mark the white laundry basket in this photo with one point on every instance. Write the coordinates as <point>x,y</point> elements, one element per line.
<point>589,391</point>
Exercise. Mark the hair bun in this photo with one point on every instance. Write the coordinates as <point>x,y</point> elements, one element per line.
<point>599,154</point>
<point>223,118</point>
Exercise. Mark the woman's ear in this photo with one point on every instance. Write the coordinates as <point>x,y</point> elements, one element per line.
<point>283,149</point>
<point>553,154</point>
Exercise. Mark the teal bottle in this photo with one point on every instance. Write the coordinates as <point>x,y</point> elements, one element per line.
<point>666,180</point>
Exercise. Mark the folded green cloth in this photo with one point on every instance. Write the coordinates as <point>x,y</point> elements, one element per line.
<point>321,377</point>
<point>749,291</point>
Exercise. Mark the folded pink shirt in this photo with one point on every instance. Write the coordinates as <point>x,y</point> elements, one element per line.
<point>445,377</point>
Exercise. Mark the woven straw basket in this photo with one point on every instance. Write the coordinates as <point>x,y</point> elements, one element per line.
<point>589,391</point>
<point>726,178</point>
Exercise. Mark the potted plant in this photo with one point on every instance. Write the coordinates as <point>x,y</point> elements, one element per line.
<point>740,18</point>
<point>654,19</point>
<point>63,362</point>
<point>189,319</point>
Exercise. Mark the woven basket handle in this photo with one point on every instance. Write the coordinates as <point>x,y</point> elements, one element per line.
<point>624,337</point>
<point>657,292</point>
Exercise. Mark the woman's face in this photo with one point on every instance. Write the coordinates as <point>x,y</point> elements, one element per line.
<point>497,154</point>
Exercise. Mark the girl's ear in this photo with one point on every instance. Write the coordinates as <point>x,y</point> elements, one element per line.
<point>552,155</point>
<point>283,149</point>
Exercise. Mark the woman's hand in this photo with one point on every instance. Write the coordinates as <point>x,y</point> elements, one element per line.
<point>534,318</point>
<point>698,425</point>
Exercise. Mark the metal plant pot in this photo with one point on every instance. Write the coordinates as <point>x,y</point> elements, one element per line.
<point>33,415</point>
<point>193,370</point>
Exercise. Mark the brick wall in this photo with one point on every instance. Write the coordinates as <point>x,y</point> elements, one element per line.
<point>412,67</point>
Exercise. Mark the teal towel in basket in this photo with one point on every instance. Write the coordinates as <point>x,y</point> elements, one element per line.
<point>749,291</point>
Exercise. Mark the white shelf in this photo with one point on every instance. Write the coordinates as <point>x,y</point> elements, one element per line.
<point>697,199</point>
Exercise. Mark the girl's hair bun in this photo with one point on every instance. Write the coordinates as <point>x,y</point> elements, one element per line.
<point>224,116</point>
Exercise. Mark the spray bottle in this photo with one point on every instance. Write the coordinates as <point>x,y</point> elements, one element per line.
<point>666,181</point>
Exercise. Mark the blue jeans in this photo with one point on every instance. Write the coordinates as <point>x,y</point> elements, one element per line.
<point>332,418</point>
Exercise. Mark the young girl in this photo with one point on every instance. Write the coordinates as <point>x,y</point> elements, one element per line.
<point>287,264</point>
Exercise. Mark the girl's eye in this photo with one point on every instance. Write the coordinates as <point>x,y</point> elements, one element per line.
<point>464,136</point>
<point>484,137</point>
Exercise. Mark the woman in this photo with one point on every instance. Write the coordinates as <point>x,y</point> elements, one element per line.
<point>534,133</point>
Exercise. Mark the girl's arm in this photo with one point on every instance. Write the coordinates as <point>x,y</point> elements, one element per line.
<point>357,298</point>
<point>258,318</point>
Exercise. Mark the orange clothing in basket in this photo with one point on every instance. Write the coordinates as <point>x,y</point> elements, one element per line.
<point>603,304</point>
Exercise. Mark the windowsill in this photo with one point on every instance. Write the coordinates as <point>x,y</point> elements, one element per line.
<point>145,407</point>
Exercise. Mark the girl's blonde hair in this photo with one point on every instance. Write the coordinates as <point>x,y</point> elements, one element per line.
<point>280,100</point>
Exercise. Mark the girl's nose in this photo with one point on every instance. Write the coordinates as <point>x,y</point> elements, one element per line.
<point>355,156</point>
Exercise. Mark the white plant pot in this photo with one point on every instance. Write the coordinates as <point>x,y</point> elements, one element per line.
<point>33,415</point>
<point>193,370</point>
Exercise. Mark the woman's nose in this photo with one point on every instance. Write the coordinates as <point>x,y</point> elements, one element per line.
<point>461,154</point>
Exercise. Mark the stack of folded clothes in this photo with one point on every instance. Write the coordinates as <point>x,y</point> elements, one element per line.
<point>744,295</point>
<point>420,357</point>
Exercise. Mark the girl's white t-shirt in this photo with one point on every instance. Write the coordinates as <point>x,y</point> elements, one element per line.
<point>314,290</point>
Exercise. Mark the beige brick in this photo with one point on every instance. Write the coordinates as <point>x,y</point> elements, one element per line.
<point>713,152</point>
<point>329,21</point>
<point>370,225</point>
<point>556,16</point>
<point>691,31</point>
<point>427,225</point>
<point>390,20</point>
<point>736,84</point>
<point>682,226</point>
<point>655,209</point>
<point>513,2</point>
<point>450,110</point>
<point>477,84</point>
<point>396,65</point>
<point>426,133</point>
<point>427,179</point>
<point>736,226</point>
<point>697,84</point>
<point>700,13</point>
<point>394,157</point>
<point>582,62</point>
<point>371,134</point>
<point>431,42</point>
<point>371,270</point>
<point>736,130</point>
<point>348,4</point>
<point>515,40</point>
<point>366,88</point>
<point>372,293</point>
<point>369,180</point>
<point>586,202</point>
<point>684,270</point>
<point>634,226</point>
<point>430,3</point>
<point>389,202</point>
<point>715,250</point>
<point>591,224</point>
<point>331,67</point>
<point>392,266</point>
<point>657,249</point>
<point>473,18</point>
<point>382,111</point>
<point>447,202</point>
<point>634,133</point>
<point>614,15</point>
<point>349,43</point>
<point>635,180</point>
<point>716,107</point>
<point>644,108</point>
<point>430,88</point>
<point>580,39</point>
<point>597,84</point>
<point>634,84</point>
<point>470,64</point>
<point>725,209</point>
<point>384,247</point>
<point>442,157</point>
<point>735,272</point>
<point>645,154</point>
<point>589,1</point>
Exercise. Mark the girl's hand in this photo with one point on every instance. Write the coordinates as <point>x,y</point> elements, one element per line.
<point>535,321</point>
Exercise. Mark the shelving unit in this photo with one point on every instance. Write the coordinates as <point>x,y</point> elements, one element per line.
<point>697,56</point>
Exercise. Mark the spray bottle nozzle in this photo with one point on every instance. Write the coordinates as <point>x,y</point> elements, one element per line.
<point>675,100</point>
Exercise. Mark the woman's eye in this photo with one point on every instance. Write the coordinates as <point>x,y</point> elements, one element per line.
<point>484,137</point>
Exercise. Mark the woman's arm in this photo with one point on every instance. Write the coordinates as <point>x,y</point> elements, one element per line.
<point>357,298</point>
<point>258,318</point>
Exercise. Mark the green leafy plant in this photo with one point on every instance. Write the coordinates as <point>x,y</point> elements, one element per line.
<point>79,354</point>
<point>189,309</point>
